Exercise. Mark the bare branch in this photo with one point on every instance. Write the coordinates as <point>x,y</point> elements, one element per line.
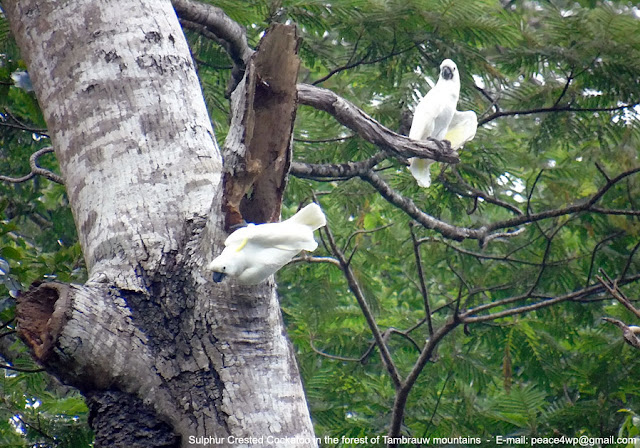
<point>370,130</point>
<point>230,34</point>
<point>469,316</point>
<point>20,369</point>
<point>614,211</point>
<point>361,359</point>
<point>323,140</point>
<point>335,171</point>
<point>364,306</point>
<point>564,89</point>
<point>305,257</point>
<point>616,293</point>
<point>543,110</point>
<point>595,250</point>
<point>603,172</point>
<point>629,260</point>
<point>471,192</point>
<point>35,169</point>
<point>404,334</point>
<point>18,124</point>
<point>502,235</point>
<point>409,207</point>
<point>402,394</point>
<point>628,333</point>
<point>587,205</point>
<point>363,232</point>
<point>503,258</point>
<point>362,61</point>
<point>423,285</point>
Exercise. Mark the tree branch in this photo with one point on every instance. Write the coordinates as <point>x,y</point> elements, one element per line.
<point>362,61</point>
<point>402,394</point>
<point>17,124</point>
<point>471,192</point>
<point>423,285</point>
<point>409,207</point>
<point>336,171</point>
<point>575,208</point>
<point>468,316</point>
<point>20,369</point>
<point>230,34</point>
<point>370,130</point>
<point>542,110</point>
<point>36,170</point>
<point>342,358</point>
<point>628,333</point>
<point>612,288</point>
<point>354,286</point>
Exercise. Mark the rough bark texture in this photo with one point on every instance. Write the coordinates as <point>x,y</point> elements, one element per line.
<point>163,355</point>
<point>257,151</point>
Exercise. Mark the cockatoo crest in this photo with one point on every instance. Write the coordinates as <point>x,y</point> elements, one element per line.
<point>255,252</point>
<point>436,117</point>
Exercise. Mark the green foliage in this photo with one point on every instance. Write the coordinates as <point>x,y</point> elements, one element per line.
<point>554,371</point>
<point>550,82</point>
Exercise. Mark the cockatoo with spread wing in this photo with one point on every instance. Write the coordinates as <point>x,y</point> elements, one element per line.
<point>436,117</point>
<point>255,252</point>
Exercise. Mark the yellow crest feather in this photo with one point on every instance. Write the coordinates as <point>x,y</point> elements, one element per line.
<point>244,243</point>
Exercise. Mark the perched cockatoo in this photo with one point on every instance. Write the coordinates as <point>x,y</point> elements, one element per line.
<point>436,117</point>
<point>255,252</point>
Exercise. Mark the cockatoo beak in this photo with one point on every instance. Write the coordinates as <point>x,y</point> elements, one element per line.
<point>218,276</point>
<point>447,73</point>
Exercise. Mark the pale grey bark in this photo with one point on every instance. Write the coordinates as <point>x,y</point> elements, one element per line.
<point>149,339</point>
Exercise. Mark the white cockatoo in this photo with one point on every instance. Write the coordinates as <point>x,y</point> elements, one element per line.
<point>436,117</point>
<point>255,252</point>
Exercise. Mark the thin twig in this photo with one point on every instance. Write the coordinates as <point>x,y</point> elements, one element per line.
<point>423,285</point>
<point>36,170</point>
<point>470,315</point>
<point>543,110</point>
<point>616,293</point>
<point>20,369</point>
<point>361,359</point>
<point>354,285</point>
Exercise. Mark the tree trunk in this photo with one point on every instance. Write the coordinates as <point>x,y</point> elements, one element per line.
<point>163,355</point>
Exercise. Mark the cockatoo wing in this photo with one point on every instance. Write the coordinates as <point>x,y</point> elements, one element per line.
<point>462,128</point>
<point>263,252</point>
<point>423,126</point>
<point>424,117</point>
<point>283,235</point>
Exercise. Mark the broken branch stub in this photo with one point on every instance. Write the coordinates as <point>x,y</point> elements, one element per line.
<point>257,151</point>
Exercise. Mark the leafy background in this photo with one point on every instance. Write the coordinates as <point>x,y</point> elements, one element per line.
<point>549,80</point>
